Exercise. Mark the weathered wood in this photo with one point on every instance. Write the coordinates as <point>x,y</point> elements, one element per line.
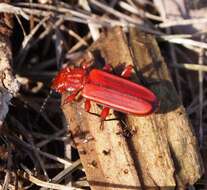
<point>170,128</point>
<point>8,83</point>
<point>161,150</point>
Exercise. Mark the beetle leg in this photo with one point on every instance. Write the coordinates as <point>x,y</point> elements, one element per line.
<point>104,114</point>
<point>71,97</point>
<point>127,72</point>
<point>108,68</point>
<point>87,105</point>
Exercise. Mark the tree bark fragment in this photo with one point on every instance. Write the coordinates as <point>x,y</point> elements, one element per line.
<point>8,84</point>
<point>153,151</point>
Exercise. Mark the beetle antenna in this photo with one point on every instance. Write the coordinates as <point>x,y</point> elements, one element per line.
<point>43,105</point>
<point>45,101</point>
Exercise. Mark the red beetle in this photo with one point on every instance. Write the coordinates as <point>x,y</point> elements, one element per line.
<point>106,89</point>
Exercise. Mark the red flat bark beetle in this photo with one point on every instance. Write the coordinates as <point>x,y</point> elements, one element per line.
<point>107,89</point>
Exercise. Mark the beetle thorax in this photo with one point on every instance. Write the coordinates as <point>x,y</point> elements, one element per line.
<point>69,79</point>
<point>75,80</point>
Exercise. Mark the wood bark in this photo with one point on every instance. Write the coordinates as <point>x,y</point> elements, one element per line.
<point>8,83</point>
<point>159,150</point>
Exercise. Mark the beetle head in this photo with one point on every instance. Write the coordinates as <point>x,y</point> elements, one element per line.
<point>68,79</point>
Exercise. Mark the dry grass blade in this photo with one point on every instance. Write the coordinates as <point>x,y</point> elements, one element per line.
<point>31,140</point>
<point>50,138</point>
<point>50,156</point>
<point>185,42</point>
<point>76,36</point>
<point>93,29</point>
<point>61,176</point>
<point>6,8</point>
<point>76,16</point>
<point>139,12</point>
<point>201,98</point>
<point>116,13</point>
<point>32,33</point>
<point>45,184</point>
<point>171,48</point>
<point>7,176</point>
<point>182,22</point>
<point>192,67</point>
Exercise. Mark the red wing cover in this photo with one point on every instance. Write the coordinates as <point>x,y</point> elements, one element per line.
<point>118,93</point>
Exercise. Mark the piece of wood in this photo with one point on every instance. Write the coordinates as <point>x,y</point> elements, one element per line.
<point>159,150</point>
<point>8,87</point>
<point>8,83</point>
<point>170,126</point>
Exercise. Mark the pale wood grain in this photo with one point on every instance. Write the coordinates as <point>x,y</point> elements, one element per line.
<point>161,149</point>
